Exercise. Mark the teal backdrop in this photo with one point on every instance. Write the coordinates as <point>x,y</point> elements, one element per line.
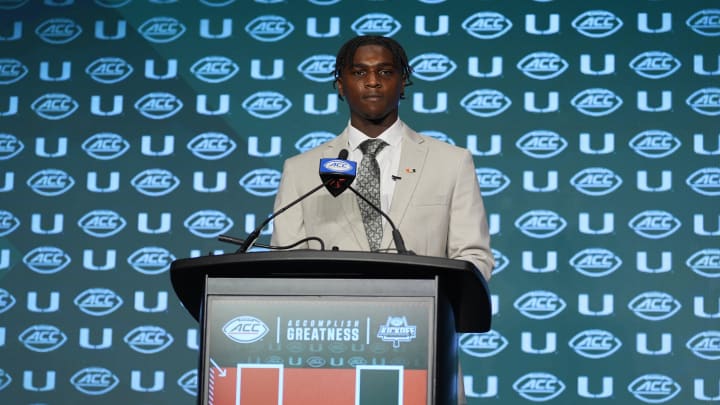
<point>134,132</point>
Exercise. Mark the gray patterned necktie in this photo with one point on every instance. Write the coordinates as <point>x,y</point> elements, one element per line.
<point>368,184</point>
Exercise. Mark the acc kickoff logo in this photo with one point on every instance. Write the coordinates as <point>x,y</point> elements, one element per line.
<point>596,102</point>
<point>485,102</point>
<point>58,31</point>
<point>539,304</point>
<point>261,182</point>
<point>102,223</point>
<point>11,70</point>
<point>654,305</point>
<point>211,145</point>
<point>595,343</point>
<point>705,22</point>
<point>10,146</point>
<point>541,144</point>
<point>98,301</point>
<point>595,262</point>
<point>214,69</point>
<point>483,345</point>
<point>54,106</point>
<point>539,386</point>
<point>269,28</point>
<point>397,330</point>
<point>151,260</point>
<point>94,380</point>
<point>654,224</point>
<point>148,339</point>
<point>245,329</point>
<point>50,182</point>
<point>318,68</point>
<point>486,25</point>
<point>42,338</point>
<point>432,66</point>
<point>655,143</point>
<point>654,388</point>
<point>105,146</point>
<point>655,64</point>
<point>266,104</point>
<point>109,70</point>
<point>158,105</point>
<point>705,101</point>
<point>46,260</point>
<point>542,65</point>
<point>596,181</point>
<point>161,30</point>
<point>208,223</point>
<point>155,182</point>
<point>376,24</point>
<point>540,224</point>
<point>705,262</point>
<point>597,23</point>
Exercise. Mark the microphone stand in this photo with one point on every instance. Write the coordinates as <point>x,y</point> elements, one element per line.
<point>397,237</point>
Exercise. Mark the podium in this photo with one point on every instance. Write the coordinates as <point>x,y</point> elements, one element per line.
<point>330,327</point>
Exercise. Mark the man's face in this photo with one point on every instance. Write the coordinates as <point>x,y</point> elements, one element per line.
<point>372,86</point>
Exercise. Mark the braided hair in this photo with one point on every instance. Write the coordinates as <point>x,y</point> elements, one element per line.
<point>346,54</point>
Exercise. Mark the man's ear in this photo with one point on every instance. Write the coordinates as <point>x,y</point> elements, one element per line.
<point>339,85</point>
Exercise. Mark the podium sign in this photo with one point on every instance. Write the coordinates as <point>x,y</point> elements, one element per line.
<point>319,345</point>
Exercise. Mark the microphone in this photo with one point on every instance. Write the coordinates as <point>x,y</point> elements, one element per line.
<point>397,237</point>
<point>339,173</point>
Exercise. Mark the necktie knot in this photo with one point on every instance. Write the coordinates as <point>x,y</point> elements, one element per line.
<point>372,147</point>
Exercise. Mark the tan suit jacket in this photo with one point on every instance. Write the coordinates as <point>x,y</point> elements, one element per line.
<point>436,203</point>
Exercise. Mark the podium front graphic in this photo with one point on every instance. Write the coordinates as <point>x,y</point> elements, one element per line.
<point>326,327</point>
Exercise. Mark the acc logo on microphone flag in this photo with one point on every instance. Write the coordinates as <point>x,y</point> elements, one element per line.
<point>338,166</point>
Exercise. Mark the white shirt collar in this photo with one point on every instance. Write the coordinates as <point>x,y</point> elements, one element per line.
<point>392,135</point>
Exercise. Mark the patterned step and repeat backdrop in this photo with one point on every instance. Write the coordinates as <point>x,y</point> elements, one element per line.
<point>134,132</point>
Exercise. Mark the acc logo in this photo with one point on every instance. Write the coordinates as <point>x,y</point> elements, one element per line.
<point>261,182</point>
<point>705,181</point>
<point>595,262</point>
<point>10,146</point>
<point>595,343</point>
<point>6,300</point>
<point>654,143</point>
<point>155,182</point>
<point>597,23</point>
<point>42,338</point>
<point>102,223</point>
<point>376,24</point>
<point>705,101</point>
<point>161,29</point>
<point>208,223</point>
<point>158,105</point>
<point>112,3</point>
<point>11,70</point>
<point>98,301</point>
<point>269,28</point>
<point>337,166</point>
<point>148,339</point>
<point>654,224</point>
<point>440,136</point>
<point>318,68</point>
<point>9,5</point>
<point>8,222</point>
<point>54,106</point>
<point>654,388</point>
<point>705,344</point>
<point>5,378</point>
<point>483,344</point>
<point>655,64</point>
<point>315,361</point>
<point>654,305</point>
<point>486,25</point>
<point>432,66</point>
<point>705,22</point>
<point>542,65</point>
<point>539,304</point>
<point>266,104</point>
<point>596,102</point>
<point>151,260</point>
<point>94,380</point>
<point>596,181</point>
<point>492,181</point>
<point>539,387</point>
<point>485,102</point>
<point>501,261</point>
<point>312,140</point>
<point>705,262</point>
<point>105,146</point>
<point>211,145</point>
<point>217,3</point>
<point>109,70</point>
<point>245,329</point>
<point>318,2</point>
<point>540,224</point>
<point>46,260</point>
<point>214,69</point>
<point>58,30</point>
<point>50,182</point>
<point>189,382</point>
